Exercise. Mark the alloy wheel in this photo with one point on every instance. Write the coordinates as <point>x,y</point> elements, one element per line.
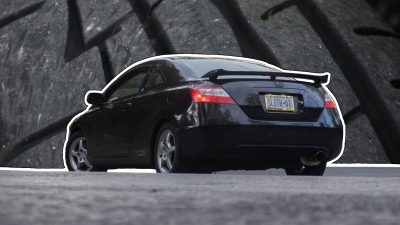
<point>78,155</point>
<point>166,151</point>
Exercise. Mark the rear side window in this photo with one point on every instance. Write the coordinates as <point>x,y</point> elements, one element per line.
<point>197,67</point>
<point>154,79</point>
<point>129,87</point>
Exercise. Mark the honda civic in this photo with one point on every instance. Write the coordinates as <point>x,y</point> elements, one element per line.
<point>205,113</point>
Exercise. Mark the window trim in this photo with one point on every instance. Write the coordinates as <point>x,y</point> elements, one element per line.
<point>156,67</point>
<point>125,77</point>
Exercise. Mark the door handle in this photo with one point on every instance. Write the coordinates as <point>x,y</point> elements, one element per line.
<point>108,105</point>
<point>127,106</point>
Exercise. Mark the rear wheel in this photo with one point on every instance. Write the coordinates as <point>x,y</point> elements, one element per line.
<point>76,155</point>
<point>167,152</point>
<point>302,170</point>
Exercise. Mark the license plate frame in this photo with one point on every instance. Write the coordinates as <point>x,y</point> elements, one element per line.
<point>279,103</point>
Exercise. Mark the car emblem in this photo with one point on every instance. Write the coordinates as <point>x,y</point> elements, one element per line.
<point>278,84</point>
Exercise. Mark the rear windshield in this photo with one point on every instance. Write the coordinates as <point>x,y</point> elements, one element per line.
<point>196,68</point>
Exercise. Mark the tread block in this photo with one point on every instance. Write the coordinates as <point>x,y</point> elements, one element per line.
<point>98,15</point>
<point>196,27</point>
<point>130,45</point>
<point>362,143</point>
<point>38,87</point>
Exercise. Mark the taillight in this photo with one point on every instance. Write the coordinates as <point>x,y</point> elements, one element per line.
<point>211,94</point>
<point>329,102</point>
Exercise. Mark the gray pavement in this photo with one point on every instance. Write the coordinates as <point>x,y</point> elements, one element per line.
<point>333,171</point>
<point>242,198</point>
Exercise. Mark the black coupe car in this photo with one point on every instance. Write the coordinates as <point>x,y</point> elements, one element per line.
<point>204,113</point>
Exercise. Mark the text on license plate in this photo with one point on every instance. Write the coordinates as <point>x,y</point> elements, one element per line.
<point>279,103</point>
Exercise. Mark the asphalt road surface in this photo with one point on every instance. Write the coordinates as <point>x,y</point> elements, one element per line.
<point>347,196</point>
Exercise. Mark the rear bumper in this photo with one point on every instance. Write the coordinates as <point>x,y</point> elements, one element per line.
<point>259,141</point>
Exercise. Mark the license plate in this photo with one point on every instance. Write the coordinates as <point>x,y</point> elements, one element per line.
<point>279,103</point>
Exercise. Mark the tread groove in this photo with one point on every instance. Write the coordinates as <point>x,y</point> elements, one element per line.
<point>75,40</point>
<point>154,6</point>
<point>75,45</point>
<point>276,9</point>
<point>395,83</point>
<point>19,14</point>
<point>372,31</point>
<point>107,33</point>
<point>352,114</point>
<point>158,38</point>
<point>106,62</point>
<point>250,43</point>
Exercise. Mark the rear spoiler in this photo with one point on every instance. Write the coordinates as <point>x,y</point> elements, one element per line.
<point>322,78</point>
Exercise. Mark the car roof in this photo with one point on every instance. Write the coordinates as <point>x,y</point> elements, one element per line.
<point>176,58</point>
<point>181,57</point>
<point>195,66</point>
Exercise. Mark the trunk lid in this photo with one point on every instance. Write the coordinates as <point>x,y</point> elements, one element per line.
<point>308,99</point>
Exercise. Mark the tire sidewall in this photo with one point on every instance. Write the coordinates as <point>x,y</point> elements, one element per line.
<point>67,161</point>
<point>67,149</point>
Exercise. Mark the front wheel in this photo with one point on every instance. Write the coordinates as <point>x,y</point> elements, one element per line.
<point>76,154</point>
<point>302,170</point>
<point>167,154</point>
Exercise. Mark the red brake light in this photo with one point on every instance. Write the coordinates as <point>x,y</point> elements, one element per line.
<point>330,105</point>
<point>211,94</point>
<point>329,102</point>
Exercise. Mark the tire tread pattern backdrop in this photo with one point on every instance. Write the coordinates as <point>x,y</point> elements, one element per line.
<point>52,52</point>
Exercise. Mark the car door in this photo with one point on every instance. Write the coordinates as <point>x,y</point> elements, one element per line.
<point>116,117</point>
<point>151,102</point>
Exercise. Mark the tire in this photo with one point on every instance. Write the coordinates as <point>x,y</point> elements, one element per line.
<point>307,170</point>
<point>167,151</point>
<point>82,51</point>
<point>75,155</point>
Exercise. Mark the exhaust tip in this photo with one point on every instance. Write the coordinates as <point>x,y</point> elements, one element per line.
<point>314,159</point>
<point>320,155</point>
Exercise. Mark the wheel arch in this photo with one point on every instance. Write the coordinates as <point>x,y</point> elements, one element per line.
<point>160,121</point>
<point>74,129</point>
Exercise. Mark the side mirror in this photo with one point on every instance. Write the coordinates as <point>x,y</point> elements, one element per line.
<point>95,98</point>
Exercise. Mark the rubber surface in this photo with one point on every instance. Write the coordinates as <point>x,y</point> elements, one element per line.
<point>52,52</point>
